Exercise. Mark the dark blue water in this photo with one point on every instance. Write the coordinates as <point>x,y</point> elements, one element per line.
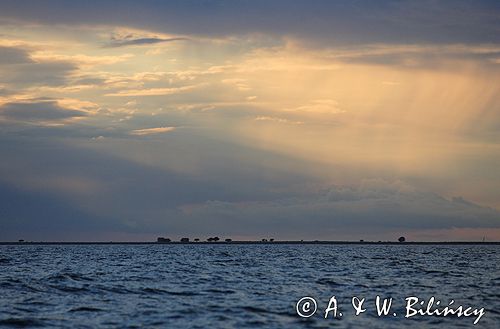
<point>243,286</point>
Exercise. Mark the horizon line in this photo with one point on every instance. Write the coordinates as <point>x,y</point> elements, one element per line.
<point>251,242</point>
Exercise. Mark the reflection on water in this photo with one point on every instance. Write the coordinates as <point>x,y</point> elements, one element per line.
<point>245,286</point>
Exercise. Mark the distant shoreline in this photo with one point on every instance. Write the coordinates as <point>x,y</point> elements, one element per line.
<point>30,243</point>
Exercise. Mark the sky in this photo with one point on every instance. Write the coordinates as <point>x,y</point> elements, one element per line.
<point>329,120</point>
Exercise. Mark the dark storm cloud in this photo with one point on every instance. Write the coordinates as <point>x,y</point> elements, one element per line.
<point>139,41</point>
<point>421,58</point>
<point>62,188</point>
<point>320,22</point>
<point>89,81</point>
<point>12,55</point>
<point>116,194</point>
<point>35,215</point>
<point>5,92</point>
<point>37,73</point>
<point>340,210</point>
<point>37,111</point>
<point>18,69</point>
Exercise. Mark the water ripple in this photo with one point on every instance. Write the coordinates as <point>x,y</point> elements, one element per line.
<point>200,286</point>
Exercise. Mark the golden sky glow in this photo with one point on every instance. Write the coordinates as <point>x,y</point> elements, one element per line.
<point>423,113</point>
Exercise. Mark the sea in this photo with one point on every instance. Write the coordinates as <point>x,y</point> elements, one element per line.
<point>248,286</point>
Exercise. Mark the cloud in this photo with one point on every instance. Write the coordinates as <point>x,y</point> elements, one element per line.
<point>20,67</point>
<point>320,23</point>
<point>5,92</point>
<point>416,56</point>
<point>151,131</point>
<point>37,73</point>
<point>217,188</point>
<point>79,59</point>
<point>278,120</point>
<point>369,210</point>
<point>263,68</point>
<point>132,197</point>
<point>12,55</point>
<point>152,91</point>
<point>114,43</point>
<point>326,106</point>
<point>21,216</point>
<point>38,111</point>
